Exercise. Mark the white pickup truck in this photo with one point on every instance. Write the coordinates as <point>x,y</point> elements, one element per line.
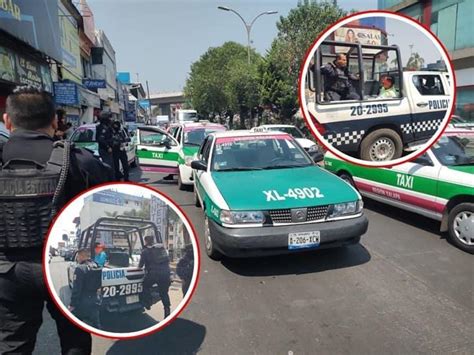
<point>377,126</point>
<point>121,279</point>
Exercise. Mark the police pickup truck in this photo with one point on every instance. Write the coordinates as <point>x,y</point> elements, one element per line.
<point>381,124</point>
<point>121,278</point>
<point>172,152</point>
<point>262,194</point>
<point>439,184</point>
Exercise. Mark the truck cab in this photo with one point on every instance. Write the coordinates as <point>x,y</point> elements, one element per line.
<point>121,278</point>
<point>375,127</point>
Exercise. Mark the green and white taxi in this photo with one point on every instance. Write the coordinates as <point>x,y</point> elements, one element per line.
<point>172,152</point>
<point>262,194</point>
<point>439,184</point>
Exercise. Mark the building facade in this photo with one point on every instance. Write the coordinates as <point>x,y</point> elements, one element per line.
<point>449,20</point>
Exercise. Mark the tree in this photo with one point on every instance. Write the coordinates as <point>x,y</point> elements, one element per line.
<point>415,62</point>
<point>221,80</point>
<point>296,33</point>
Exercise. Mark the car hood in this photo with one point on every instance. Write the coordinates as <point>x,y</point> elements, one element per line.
<point>93,146</point>
<point>468,169</point>
<point>274,189</point>
<point>305,143</point>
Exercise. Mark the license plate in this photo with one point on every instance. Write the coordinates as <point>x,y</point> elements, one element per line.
<point>304,240</point>
<point>132,299</point>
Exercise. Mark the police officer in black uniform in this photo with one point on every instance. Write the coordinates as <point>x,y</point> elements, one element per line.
<point>86,283</point>
<point>157,268</point>
<point>338,80</point>
<point>185,268</point>
<point>36,179</point>
<point>104,138</point>
<point>119,154</point>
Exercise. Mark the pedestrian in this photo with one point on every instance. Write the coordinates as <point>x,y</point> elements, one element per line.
<point>157,271</point>
<point>100,255</point>
<point>85,289</point>
<point>119,153</point>
<point>104,138</point>
<point>61,126</point>
<point>338,80</point>
<point>185,268</point>
<point>53,173</point>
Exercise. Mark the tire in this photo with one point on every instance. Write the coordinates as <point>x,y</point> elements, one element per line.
<point>209,243</point>
<point>347,178</point>
<point>181,186</point>
<point>461,226</point>
<point>197,203</point>
<point>375,145</point>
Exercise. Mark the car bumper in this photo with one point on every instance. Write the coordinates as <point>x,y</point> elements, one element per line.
<point>186,173</point>
<point>248,242</point>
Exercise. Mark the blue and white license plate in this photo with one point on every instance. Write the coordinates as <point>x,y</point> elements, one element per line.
<point>304,240</point>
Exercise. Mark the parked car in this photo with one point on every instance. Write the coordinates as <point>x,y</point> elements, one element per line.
<point>295,132</point>
<point>262,194</point>
<point>438,184</point>
<point>85,137</point>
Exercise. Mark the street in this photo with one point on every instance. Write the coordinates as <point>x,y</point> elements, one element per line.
<point>404,289</point>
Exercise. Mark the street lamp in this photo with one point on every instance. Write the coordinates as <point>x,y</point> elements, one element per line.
<point>248,26</point>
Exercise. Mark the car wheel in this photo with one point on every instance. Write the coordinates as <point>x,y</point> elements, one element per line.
<point>197,203</point>
<point>461,226</point>
<point>210,249</point>
<point>181,186</point>
<point>381,145</point>
<point>347,178</point>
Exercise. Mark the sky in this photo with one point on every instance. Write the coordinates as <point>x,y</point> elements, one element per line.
<point>160,39</point>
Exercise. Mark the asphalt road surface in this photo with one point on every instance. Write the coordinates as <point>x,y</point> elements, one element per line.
<point>404,289</point>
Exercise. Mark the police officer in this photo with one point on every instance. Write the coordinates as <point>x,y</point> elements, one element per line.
<point>104,138</point>
<point>86,283</point>
<point>157,268</point>
<point>185,268</point>
<point>31,190</point>
<point>338,80</point>
<point>119,154</point>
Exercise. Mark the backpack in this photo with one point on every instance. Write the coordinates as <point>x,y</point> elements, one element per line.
<point>30,196</point>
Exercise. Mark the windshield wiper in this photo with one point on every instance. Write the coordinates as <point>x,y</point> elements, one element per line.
<point>286,166</point>
<point>243,168</point>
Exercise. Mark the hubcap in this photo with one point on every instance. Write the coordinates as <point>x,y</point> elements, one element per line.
<point>463,227</point>
<point>382,149</point>
<point>207,234</point>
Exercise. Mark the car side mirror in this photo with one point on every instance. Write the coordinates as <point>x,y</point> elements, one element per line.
<point>199,165</point>
<point>317,156</point>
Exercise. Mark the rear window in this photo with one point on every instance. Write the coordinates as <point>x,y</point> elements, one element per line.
<point>83,134</point>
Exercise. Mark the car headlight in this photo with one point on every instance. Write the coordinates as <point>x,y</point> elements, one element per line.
<point>241,217</point>
<point>188,160</point>
<point>313,149</point>
<point>345,209</point>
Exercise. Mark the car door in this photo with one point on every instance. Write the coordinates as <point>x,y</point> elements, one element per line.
<point>157,150</point>
<point>200,176</point>
<point>429,100</point>
<point>129,146</point>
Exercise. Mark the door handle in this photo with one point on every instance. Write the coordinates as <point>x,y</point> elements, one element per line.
<point>422,104</point>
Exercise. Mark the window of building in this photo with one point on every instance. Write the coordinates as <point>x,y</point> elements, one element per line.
<point>465,104</point>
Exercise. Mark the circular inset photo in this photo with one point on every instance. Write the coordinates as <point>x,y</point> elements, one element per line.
<point>121,260</point>
<point>377,89</point>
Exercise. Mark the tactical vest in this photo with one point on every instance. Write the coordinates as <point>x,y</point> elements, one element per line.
<point>30,194</point>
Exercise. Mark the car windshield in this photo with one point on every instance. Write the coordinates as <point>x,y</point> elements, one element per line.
<point>258,153</point>
<point>196,136</point>
<point>83,135</point>
<point>455,150</point>
<point>295,132</point>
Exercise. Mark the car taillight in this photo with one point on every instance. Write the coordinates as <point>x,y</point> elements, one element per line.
<point>318,125</point>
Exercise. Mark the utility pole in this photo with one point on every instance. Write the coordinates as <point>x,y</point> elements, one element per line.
<point>148,97</point>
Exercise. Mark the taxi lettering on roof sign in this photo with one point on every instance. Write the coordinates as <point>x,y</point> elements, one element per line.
<point>438,184</point>
<point>283,202</point>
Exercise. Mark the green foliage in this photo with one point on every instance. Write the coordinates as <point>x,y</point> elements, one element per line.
<point>415,62</point>
<point>222,80</point>
<point>296,33</point>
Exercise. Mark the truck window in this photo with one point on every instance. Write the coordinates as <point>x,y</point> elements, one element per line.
<point>428,84</point>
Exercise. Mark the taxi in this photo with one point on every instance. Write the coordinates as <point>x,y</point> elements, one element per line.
<point>306,143</point>
<point>172,152</point>
<point>439,184</point>
<point>262,194</point>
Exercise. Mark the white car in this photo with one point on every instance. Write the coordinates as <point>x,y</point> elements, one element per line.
<point>305,143</point>
<point>85,137</point>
